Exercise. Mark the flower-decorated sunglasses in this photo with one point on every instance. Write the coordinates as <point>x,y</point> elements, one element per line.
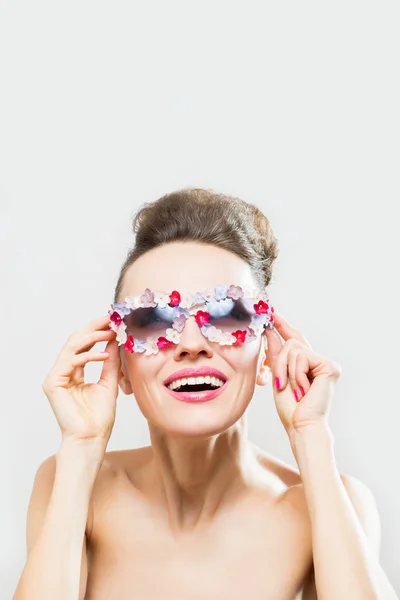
<point>228,315</point>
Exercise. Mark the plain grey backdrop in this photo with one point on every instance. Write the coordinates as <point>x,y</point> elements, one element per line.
<point>291,105</point>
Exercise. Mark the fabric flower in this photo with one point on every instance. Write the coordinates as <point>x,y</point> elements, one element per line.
<point>186,300</point>
<point>129,345</point>
<point>178,322</point>
<point>162,299</point>
<point>208,294</point>
<point>133,302</point>
<point>121,336</point>
<point>150,347</point>
<point>250,336</point>
<point>115,318</point>
<point>202,318</point>
<point>240,337</point>
<point>163,343</point>
<point>174,298</point>
<point>198,299</point>
<point>147,299</point>
<point>261,308</point>
<point>258,322</point>
<point>227,339</point>
<point>139,346</point>
<point>211,333</point>
<point>220,292</point>
<point>235,292</point>
<point>173,336</point>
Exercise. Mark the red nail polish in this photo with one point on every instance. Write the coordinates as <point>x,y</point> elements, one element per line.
<point>278,383</point>
<point>296,395</point>
<point>302,390</point>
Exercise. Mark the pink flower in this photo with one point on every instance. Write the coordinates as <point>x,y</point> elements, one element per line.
<point>162,343</point>
<point>240,337</point>
<point>261,308</point>
<point>116,318</point>
<point>129,345</point>
<point>175,298</point>
<point>202,318</point>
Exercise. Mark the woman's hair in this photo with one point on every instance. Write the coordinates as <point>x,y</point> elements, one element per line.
<point>206,217</point>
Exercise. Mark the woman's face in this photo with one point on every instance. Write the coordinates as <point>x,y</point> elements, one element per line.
<point>191,267</point>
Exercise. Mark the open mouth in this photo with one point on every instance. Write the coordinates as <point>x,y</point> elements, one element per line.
<point>200,387</point>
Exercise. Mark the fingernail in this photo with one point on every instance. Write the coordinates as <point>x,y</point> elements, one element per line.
<point>302,390</point>
<point>296,395</point>
<point>278,383</point>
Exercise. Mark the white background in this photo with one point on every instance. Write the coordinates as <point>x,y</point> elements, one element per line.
<point>291,105</point>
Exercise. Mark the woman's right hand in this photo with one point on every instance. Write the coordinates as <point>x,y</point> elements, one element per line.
<point>85,411</point>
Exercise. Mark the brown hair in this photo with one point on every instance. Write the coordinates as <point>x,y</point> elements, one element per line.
<point>207,217</point>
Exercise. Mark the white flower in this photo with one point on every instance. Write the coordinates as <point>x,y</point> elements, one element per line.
<point>227,339</point>
<point>117,328</point>
<point>121,335</point>
<point>208,294</point>
<point>150,347</point>
<point>186,300</point>
<point>257,323</point>
<point>212,333</point>
<point>173,336</point>
<point>162,299</point>
<point>193,309</point>
<point>133,302</point>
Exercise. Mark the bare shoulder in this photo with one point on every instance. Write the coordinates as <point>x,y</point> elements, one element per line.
<point>285,473</point>
<point>123,465</point>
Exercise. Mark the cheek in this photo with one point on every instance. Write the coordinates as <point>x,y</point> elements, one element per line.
<point>243,358</point>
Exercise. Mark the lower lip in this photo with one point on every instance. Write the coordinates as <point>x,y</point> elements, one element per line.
<point>204,396</point>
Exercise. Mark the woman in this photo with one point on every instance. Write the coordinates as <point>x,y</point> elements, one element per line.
<point>201,512</point>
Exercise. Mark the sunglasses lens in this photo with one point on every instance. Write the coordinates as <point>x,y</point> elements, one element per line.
<point>227,315</point>
<point>230,315</point>
<point>149,322</point>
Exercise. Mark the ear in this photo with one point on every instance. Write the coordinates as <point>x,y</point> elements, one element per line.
<point>124,382</point>
<point>264,366</point>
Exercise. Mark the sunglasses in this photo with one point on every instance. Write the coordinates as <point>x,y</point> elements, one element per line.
<point>227,315</point>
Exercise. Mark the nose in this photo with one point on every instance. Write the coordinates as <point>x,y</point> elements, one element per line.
<point>192,341</point>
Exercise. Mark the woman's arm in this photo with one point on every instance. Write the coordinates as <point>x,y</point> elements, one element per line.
<point>346,564</point>
<point>56,523</point>
<point>346,560</point>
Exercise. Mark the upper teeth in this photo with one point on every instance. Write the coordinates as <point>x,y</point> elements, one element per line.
<point>195,381</point>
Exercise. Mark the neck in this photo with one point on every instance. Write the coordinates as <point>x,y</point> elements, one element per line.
<point>197,477</point>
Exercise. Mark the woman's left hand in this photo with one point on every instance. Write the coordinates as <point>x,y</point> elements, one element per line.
<point>299,370</point>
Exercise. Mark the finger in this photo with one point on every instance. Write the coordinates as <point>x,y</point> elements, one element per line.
<point>64,365</point>
<point>280,366</point>
<point>292,361</point>
<point>86,341</point>
<point>110,373</point>
<point>275,344</point>
<point>302,368</point>
<point>287,331</point>
<point>99,324</point>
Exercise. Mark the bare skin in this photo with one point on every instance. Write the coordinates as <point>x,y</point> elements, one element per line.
<point>258,546</point>
<point>202,512</point>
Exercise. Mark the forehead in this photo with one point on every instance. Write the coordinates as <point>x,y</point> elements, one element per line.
<point>186,267</point>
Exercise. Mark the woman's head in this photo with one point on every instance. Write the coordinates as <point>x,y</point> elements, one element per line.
<point>192,240</point>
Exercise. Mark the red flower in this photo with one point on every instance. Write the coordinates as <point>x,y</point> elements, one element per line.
<point>175,298</point>
<point>162,343</point>
<point>202,318</point>
<point>116,318</point>
<point>261,308</point>
<point>128,346</point>
<point>240,337</point>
